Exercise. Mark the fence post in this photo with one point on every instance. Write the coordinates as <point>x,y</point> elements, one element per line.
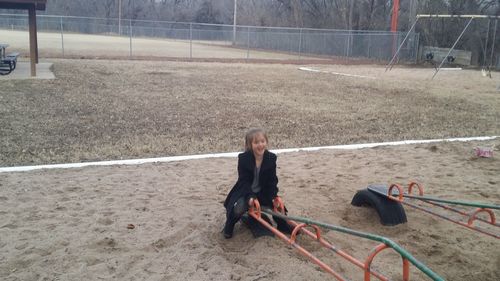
<point>190,40</point>
<point>323,52</point>
<point>300,43</point>
<point>248,42</point>
<point>493,43</point>
<point>348,44</point>
<point>130,36</point>
<point>369,44</point>
<point>62,35</point>
<point>416,46</point>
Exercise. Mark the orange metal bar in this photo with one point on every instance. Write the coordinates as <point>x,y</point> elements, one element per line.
<point>406,270</point>
<point>375,251</point>
<point>369,260</point>
<point>400,195</point>
<point>452,220</point>
<point>446,207</point>
<point>254,211</point>
<point>460,212</point>
<point>472,217</point>
<point>279,208</point>
<point>394,26</point>
<point>395,15</point>
<point>420,188</point>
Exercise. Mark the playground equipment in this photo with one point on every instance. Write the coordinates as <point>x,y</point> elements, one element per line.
<point>383,199</point>
<point>299,225</point>
<point>471,18</point>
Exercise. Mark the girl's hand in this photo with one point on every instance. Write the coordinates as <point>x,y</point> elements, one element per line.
<point>279,205</point>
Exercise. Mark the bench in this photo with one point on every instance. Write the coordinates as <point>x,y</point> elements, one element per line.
<point>8,64</point>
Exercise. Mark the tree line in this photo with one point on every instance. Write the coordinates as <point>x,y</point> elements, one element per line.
<point>329,14</point>
<point>333,14</point>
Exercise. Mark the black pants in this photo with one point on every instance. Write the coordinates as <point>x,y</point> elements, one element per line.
<point>239,208</point>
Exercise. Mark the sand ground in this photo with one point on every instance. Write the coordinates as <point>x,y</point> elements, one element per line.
<point>72,224</point>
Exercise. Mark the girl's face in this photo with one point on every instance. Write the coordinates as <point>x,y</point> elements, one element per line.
<point>259,145</point>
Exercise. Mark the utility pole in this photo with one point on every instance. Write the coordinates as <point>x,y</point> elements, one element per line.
<point>235,13</point>
<point>119,17</point>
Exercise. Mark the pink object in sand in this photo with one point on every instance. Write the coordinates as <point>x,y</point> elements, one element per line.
<point>486,152</point>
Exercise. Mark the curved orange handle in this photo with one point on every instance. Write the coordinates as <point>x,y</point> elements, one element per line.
<point>420,188</point>
<point>472,217</point>
<point>278,205</point>
<point>400,195</point>
<point>374,252</point>
<point>254,206</point>
<point>297,228</point>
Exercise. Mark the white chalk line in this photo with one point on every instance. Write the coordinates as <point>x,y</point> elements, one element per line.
<point>231,154</point>
<point>336,73</point>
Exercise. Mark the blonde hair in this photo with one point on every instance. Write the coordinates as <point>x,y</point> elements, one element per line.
<point>250,136</point>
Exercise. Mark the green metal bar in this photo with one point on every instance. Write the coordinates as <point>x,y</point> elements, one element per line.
<point>369,236</point>
<point>464,203</point>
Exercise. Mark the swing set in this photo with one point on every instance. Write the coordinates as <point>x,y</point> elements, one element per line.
<point>447,57</point>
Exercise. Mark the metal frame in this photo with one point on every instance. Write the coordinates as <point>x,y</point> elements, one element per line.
<point>404,198</point>
<point>470,17</point>
<point>299,225</point>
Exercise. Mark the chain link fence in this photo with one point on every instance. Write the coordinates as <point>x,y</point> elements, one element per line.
<point>194,40</point>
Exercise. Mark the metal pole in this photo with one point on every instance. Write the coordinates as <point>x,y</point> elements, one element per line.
<point>389,66</point>
<point>346,47</point>
<point>190,40</point>
<point>62,36</point>
<point>453,47</point>
<point>459,16</point>
<point>486,43</point>
<point>119,17</point>
<point>130,35</point>
<point>493,44</point>
<point>365,235</point>
<point>417,46</point>
<point>348,44</point>
<point>369,44</point>
<point>300,43</point>
<point>33,42</point>
<point>235,14</point>
<point>248,43</point>
<point>351,43</point>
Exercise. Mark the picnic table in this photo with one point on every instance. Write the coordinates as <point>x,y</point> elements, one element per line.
<point>8,62</point>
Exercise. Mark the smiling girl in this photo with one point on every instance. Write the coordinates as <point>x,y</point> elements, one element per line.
<point>256,178</point>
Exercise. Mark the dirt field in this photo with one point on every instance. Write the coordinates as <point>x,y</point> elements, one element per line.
<point>105,110</point>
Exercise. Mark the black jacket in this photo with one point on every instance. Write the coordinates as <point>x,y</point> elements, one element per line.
<point>267,179</point>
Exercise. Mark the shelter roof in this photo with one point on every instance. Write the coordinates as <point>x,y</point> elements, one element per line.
<point>23,4</point>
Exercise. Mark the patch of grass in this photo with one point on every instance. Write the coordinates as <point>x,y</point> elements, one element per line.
<point>104,110</point>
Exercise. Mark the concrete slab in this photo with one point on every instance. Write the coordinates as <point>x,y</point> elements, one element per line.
<point>23,71</point>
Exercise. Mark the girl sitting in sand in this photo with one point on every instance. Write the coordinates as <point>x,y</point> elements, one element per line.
<point>256,178</point>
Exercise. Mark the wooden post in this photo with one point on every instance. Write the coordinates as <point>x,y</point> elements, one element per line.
<point>33,41</point>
